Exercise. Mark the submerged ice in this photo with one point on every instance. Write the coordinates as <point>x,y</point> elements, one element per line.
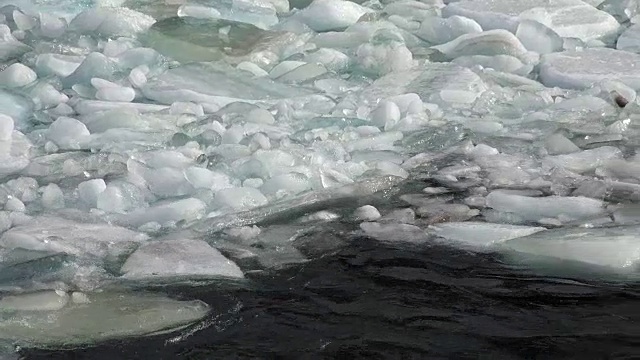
<point>160,141</point>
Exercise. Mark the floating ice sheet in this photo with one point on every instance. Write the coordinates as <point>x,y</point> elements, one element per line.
<point>482,234</point>
<point>615,248</point>
<point>583,69</point>
<point>55,318</point>
<point>178,258</point>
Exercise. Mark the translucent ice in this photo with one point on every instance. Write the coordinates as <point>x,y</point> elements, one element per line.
<point>492,42</point>
<point>10,47</point>
<point>17,75</point>
<point>430,83</point>
<point>614,248</point>
<point>68,133</point>
<point>482,234</point>
<point>178,258</point>
<point>394,232</point>
<point>568,18</point>
<point>89,190</point>
<point>54,234</point>
<point>111,21</point>
<point>583,69</point>
<point>238,199</point>
<point>584,161</point>
<point>537,208</point>
<point>92,317</point>
<point>629,40</point>
<point>327,15</point>
<point>539,38</point>
<point>195,82</point>
<point>259,13</point>
<point>186,210</point>
<point>438,31</point>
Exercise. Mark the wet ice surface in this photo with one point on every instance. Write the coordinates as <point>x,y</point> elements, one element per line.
<point>145,144</point>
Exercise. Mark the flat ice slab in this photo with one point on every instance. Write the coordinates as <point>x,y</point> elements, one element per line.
<point>58,235</point>
<point>617,248</point>
<point>214,83</point>
<point>172,258</point>
<point>432,82</point>
<point>568,18</point>
<point>583,69</point>
<point>53,318</point>
<point>482,234</point>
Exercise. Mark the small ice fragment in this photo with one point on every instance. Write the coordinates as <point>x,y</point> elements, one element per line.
<point>119,94</point>
<point>240,198</point>
<point>539,38</point>
<point>17,75</point>
<point>557,144</point>
<point>366,213</point>
<point>6,127</point>
<point>52,197</point>
<point>14,204</point>
<point>328,15</point>
<point>68,133</point>
<point>89,190</point>
<point>387,112</point>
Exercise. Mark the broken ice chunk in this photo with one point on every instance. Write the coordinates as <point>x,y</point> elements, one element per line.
<point>52,197</point>
<point>394,232</point>
<point>68,133</point>
<point>111,21</point>
<point>568,18</point>
<point>616,248</point>
<point>178,258</point>
<point>195,83</point>
<point>430,83</point>
<point>56,64</point>
<point>17,75</point>
<point>539,38</point>
<point>629,40</point>
<point>328,15</point>
<point>38,301</point>
<point>557,144</point>
<point>537,208</point>
<point>95,65</point>
<point>10,47</point>
<point>437,30</point>
<point>187,210</point>
<point>583,69</point>
<point>240,198</point>
<point>88,191</point>
<point>366,213</point>
<point>259,13</point>
<point>103,315</point>
<point>53,234</point>
<point>381,59</point>
<point>586,160</point>
<point>6,127</point>
<point>481,234</point>
<point>492,42</point>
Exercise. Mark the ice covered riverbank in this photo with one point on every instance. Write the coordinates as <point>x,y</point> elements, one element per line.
<point>156,141</point>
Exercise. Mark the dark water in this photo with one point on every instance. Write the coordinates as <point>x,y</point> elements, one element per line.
<point>374,301</point>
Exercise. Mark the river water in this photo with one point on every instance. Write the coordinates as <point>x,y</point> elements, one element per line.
<point>373,301</point>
